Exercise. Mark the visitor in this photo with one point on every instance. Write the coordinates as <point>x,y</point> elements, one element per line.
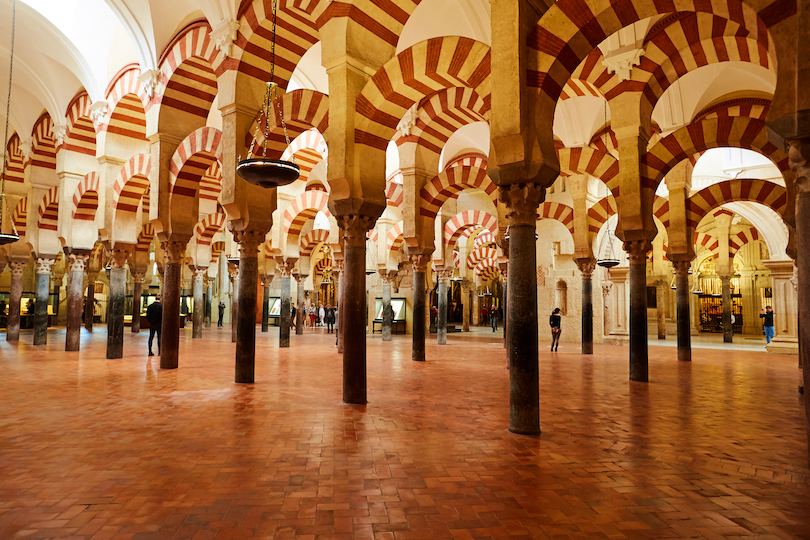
<point>321,315</point>
<point>328,318</point>
<point>554,321</point>
<point>484,315</point>
<point>221,308</point>
<point>154,314</point>
<point>493,317</point>
<point>767,324</point>
<point>312,316</point>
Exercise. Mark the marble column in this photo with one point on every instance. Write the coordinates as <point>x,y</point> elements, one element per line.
<point>586,268</point>
<point>637,250</point>
<point>137,295</point>
<point>524,396</point>
<point>198,317</point>
<point>209,295</point>
<point>387,310</point>
<point>249,242</point>
<point>466,284</point>
<point>233,274</point>
<point>56,287</point>
<point>266,303</point>
<point>606,319</point>
<point>90,300</point>
<point>476,307</point>
<point>444,276</point>
<point>14,300</point>
<point>43,272</point>
<point>340,288</point>
<point>684,322</point>
<point>284,269</point>
<point>76,263</point>
<point>505,308</point>
<point>353,306</point>
<point>300,313</point>
<point>419,263</point>
<point>660,307</point>
<point>174,251</point>
<point>116,301</point>
<point>728,330</point>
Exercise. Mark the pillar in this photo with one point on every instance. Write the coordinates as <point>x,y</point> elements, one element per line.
<point>586,268</point>
<point>803,262</point>
<point>684,317</point>
<point>137,294</point>
<point>444,276</point>
<point>233,274</point>
<point>198,317</point>
<point>43,273</point>
<point>387,310</point>
<point>637,250</point>
<point>339,288</point>
<point>266,303</point>
<point>606,319</point>
<point>90,300</point>
<point>14,300</point>
<point>76,263</point>
<point>284,269</point>
<point>728,330</point>
<point>249,242</point>
<point>299,304</point>
<point>504,308</point>
<point>476,307</point>
<point>524,396</point>
<point>419,263</point>
<point>56,286</point>
<point>660,307</point>
<point>170,329</point>
<point>353,306</point>
<point>466,285</point>
<point>117,302</point>
<point>209,295</point>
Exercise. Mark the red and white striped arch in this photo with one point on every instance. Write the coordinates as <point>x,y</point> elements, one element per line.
<point>49,210</point>
<point>745,236</point>
<point>210,225</point>
<point>216,250</point>
<point>211,183</point>
<point>469,219</point>
<point>706,241</point>
<point>309,149</point>
<point>145,238</point>
<point>132,183</point>
<point>484,265</point>
<point>468,159</point>
<point>395,238</point>
<point>449,183</point>
<point>580,88</point>
<point>302,110</point>
<point>303,208</point>
<point>81,133</point>
<point>481,254</point>
<point>20,217</point>
<point>43,151</point>
<point>85,199</point>
<point>311,240</point>
<point>606,142</point>
<point>558,212</point>
<point>394,194</point>
<point>484,239</point>
<point>15,160</point>
<point>190,162</point>
<point>590,161</point>
<point>661,210</point>
<point>419,71</point>
<point>600,212</point>
<point>126,101</point>
<point>756,108</point>
<point>736,132</point>
<point>704,201</point>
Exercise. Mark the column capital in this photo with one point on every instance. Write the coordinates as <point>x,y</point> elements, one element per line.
<point>77,261</point>
<point>138,277</point>
<point>521,202</point>
<point>606,286</point>
<point>681,267</point>
<point>799,163</point>
<point>586,266</point>
<point>466,285</point>
<point>17,267</point>
<point>45,264</point>
<point>175,251</point>
<point>200,272</point>
<point>338,268</point>
<point>444,275</point>
<point>420,262</point>
<point>637,250</point>
<point>249,242</point>
<point>299,277</point>
<point>119,255</point>
<point>284,266</point>
<point>233,271</point>
<point>355,227</point>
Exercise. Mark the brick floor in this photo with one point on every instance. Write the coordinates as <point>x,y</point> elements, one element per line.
<point>117,449</point>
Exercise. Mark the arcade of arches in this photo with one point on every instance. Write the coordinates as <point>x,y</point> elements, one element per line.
<point>460,160</point>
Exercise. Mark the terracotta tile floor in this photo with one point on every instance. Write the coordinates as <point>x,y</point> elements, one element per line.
<point>116,449</point>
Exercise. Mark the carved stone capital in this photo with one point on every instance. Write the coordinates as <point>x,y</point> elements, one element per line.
<point>355,227</point>
<point>444,275</point>
<point>466,285</point>
<point>200,273</point>
<point>18,267</point>
<point>300,278</point>
<point>799,162</point>
<point>175,251</point>
<point>338,268</point>
<point>586,267</point>
<point>284,267</point>
<point>249,242</point>
<point>682,267</point>
<point>77,262</point>
<point>45,265</point>
<point>138,277</point>
<point>119,255</point>
<point>606,286</point>
<point>637,250</point>
<point>521,202</point>
<point>420,262</point>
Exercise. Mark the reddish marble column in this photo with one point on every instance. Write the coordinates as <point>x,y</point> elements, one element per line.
<point>524,396</point>
<point>284,267</point>
<point>637,250</point>
<point>249,242</point>
<point>170,329</point>
<point>233,274</point>
<point>198,316</point>
<point>44,266</point>
<point>353,306</point>
<point>14,300</point>
<point>728,329</point>
<point>76,263</point>
<point>137,293</point>
<point>586,268</point>
<point>802,170</point>
<point>90,300</point>
<point>299,304</point>
<point>466,286</point>
<point>682,293</point>
<point>339,304</point>
<point>117,301</point>
<point>266,303</point>
<point>441,324</point>
<point>419,263</point>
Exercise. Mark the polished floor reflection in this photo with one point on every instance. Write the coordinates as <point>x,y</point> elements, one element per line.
<point>117,449</point>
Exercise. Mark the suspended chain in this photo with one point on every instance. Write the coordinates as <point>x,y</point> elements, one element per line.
<point>8,112</point>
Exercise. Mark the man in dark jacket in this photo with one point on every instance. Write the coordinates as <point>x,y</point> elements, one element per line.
<point>767,323</point>
<point>154,314</point>
<point>221,308</point>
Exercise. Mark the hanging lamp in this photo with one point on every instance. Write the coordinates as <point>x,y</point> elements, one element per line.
<point>8,238</point>
<point>610,261</point>
<point>261,170</point>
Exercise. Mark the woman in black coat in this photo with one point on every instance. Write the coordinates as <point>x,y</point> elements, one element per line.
<point>554,321</point>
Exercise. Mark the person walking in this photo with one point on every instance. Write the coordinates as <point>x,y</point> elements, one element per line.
<point>312,315</point>
<point>484,315</point>
<point>221,308</point>
<point>767,323</point>
<point>154,314</point>
<point>493,318</point>
<point>329,318</point>
<point>554,321</point>
<point>322,315</point>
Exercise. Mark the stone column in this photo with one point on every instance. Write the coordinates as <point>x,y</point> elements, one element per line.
<point>476,307</point>
<point>209,295</point>
<point>466,285</point>
<point>299,304</point>
<point>56,287</point>
<point>249,242</point>
<point>660,307</point>
<point>197,318</point>
<point>505,308</point>
<point>117,302</point>
<point>684,318</point>
<point>728,330</point>
<point>170,329</point>
<point>76,262</point>
<point>233,274</point>
<point>637,250</point>
<point>444,276</point>
<point>340,282</point>
<point>419,263</point>
<point>353,306</point>
<point>284,269</point>
<point>14,300</point>
<point>90,300</point>
<point>43,273</point>
<point>606,322</point>
<point>785,308</point>
<point>387,310</point>
<point>266,303</point>
<point>524,396</point>
<point>137,293</point>
<point>586,268</point>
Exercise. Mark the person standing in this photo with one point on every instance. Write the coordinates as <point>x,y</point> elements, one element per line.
<point>154,314</point>
<point>555,321</point>
<point>312,315</point>
<point>494,313</point>
<point>767,323</point>
<point>322,315</point>
<point>221,308</point>
<point>329,318</point>
<point>484,314</point>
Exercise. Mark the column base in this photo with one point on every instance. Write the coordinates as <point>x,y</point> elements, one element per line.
<point>617,339</point>
<point>785,345</point>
